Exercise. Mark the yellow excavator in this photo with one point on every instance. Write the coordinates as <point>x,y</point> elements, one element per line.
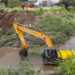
<point>58,56</point>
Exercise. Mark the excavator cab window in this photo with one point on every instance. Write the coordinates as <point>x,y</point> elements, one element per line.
<point>49,51</point>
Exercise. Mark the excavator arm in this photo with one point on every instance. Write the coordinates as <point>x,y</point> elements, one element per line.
<point>19,29</point>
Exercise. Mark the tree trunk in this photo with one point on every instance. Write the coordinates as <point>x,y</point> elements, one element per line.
<point>66,7</point>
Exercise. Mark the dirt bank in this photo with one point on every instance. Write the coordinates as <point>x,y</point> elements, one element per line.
<point>22,17</point>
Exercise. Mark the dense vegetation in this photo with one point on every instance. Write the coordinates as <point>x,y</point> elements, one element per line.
<point>58,23</point>
<point>67,3</point>
<point>13,3</point>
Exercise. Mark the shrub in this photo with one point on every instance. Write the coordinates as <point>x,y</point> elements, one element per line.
<point>36,46</point>
<point>34,55</point>
<point>13,3</point>
<point>0,30</point>
<point>1,6</point>
<point>68,68</point>
<point>39,11</point>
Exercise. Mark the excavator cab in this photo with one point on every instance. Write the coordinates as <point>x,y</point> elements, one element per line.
<point>53,59</point>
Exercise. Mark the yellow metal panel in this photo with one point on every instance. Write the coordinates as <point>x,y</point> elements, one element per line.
<point>65,54</point>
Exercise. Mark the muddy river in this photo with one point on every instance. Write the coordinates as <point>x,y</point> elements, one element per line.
<point>10,56</point>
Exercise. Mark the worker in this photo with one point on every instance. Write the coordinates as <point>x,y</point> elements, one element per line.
<point>26,7</point>
<point>48,58</point>
<point>23,6</point>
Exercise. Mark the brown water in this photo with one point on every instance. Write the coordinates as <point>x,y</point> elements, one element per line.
<point>10,56</point>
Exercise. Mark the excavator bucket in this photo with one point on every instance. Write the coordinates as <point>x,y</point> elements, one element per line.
<point>23,53</point>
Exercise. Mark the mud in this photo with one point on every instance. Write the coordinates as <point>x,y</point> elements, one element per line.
<point>26,18</point>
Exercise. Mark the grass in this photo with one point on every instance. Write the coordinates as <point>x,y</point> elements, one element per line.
<point>34,55</point>
<point>12,9</point>
<point>62,26</point>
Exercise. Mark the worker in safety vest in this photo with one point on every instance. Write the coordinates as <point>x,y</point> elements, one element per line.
<point>26,7</point>
<point>23,6</point>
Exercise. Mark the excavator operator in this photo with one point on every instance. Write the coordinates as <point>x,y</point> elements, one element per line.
<point>48,58</point>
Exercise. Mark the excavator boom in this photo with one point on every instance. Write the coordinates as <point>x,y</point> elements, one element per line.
<point>36,33</point>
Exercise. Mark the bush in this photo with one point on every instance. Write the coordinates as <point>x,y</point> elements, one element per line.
<point>39,11</point>
<point>0,30</point>
<point>43,4</point>
<point>61,27</point>
<point>68,68</point>
<point>36,46</point>
<point>1,6</point>
<point>13,3</point>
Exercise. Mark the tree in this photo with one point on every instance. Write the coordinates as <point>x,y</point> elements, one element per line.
<point>5,2</point>
<point>67,3</point>
<point>13,3</point>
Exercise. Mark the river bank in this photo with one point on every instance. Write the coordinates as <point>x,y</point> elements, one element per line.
<point>58,24</point>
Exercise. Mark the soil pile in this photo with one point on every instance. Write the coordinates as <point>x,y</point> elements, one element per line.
<point>26,18</point>
<point>7,21</point>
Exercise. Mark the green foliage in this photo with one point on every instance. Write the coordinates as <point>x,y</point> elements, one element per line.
<point>39,71</point>
<point>5,1</point>
<point>39,11</point>
<point>71,9</point>
<point>67,67</point>
<point>9,37</point>
<point>1,6</point>
<point>14,8</point>
<point>0,30</point>
<point>34,55</point>
<point>43,4</point>
<point>67,3</point>
<point>53,33</point>
<point>13,3</point>
<point>6,70</point>
<point>10,31</point>
<point>64,23</point>
<point>36,46</point>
